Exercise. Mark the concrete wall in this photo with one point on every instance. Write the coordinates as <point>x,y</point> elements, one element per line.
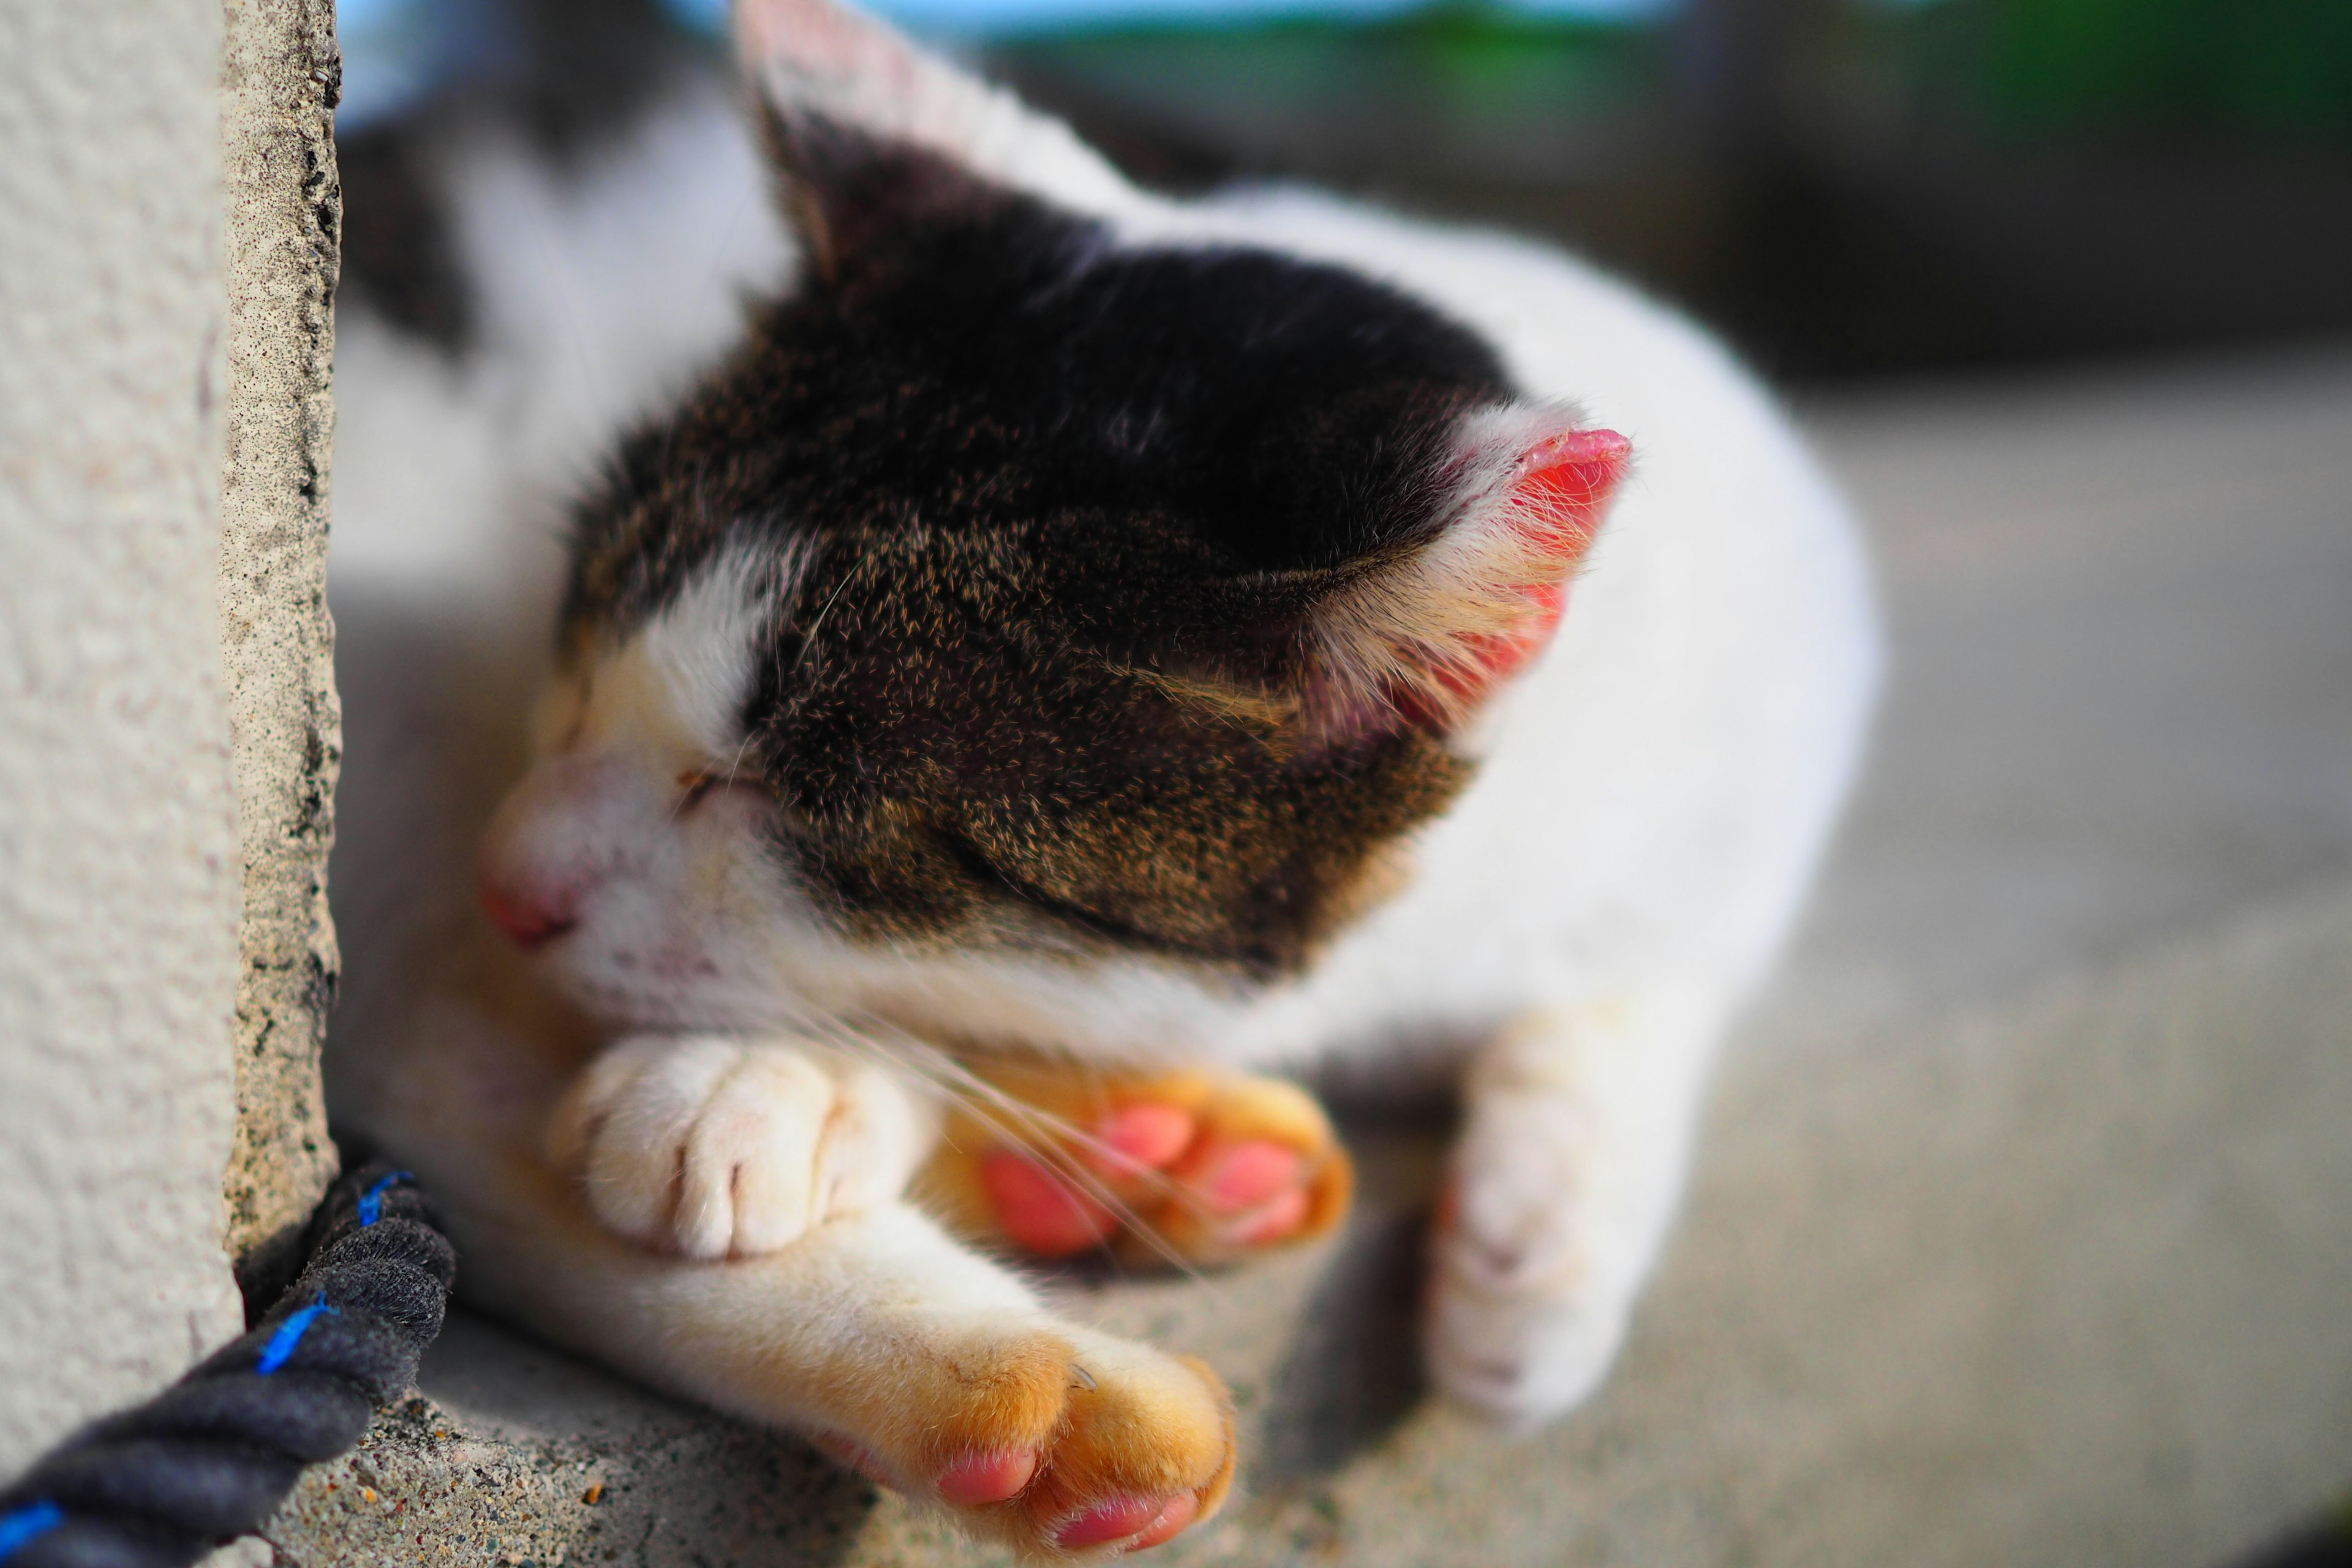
<point>279,79</point>
<point>117,832</point>
<point>149,330</point>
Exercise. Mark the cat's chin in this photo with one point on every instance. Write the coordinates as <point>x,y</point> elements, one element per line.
<point>660,1004</point>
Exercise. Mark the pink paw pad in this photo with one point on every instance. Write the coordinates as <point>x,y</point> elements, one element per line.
<point>1238,1176</point>
<point>980,1479</point>
<point>1274,1219</point>
<point>1171,1523</point>
<point>1113,1521</point>
<point>1040,1211</point>
<point>1139,1138</point>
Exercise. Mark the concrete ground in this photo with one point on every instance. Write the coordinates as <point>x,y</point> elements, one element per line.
<point>2023,1233</point>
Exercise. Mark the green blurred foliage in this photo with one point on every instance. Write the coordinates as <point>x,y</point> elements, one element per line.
<point>1497,62</point>
<point>1464,66</point>
<point>2174,69</point>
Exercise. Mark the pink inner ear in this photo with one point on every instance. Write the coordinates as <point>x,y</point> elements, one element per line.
<point>1563,486</point>
<point>1558,495</point>
<point>1562,482</point>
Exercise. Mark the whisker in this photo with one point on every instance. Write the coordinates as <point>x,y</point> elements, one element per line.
<point>1048,1137</point>
<point>1021,1125</point>
<point>736,766</point>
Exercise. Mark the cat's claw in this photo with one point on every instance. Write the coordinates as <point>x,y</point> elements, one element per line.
<point>714,1147</point>
<point>1190,1167</point>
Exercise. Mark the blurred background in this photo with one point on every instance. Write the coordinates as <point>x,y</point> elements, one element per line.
<point>2024,1231</point>
<point>1843,186</point>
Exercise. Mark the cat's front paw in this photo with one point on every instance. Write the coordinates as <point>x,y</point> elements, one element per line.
<point>1188,1167</point>
<point>1066,1444</point>
<point>1532,1283</point>
<point>714,1147</point>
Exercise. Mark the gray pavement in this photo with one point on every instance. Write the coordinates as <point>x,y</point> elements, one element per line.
<point>2022,1232</point>
<point>2122,703</point>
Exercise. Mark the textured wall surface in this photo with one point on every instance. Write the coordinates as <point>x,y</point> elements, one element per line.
<point>118,841</point>
<point>279,84</point>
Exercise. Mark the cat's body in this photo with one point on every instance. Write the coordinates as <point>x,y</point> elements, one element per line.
<point>1610,867</point>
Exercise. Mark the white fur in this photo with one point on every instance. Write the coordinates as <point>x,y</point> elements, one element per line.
<point>702,644</point>
<point>1579,928</point>
<point>814,56</point>
<point>720,1147</point>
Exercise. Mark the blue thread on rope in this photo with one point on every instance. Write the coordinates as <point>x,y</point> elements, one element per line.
<point>280,1348</point>
<point>27,1525</point>
<point>371,1200</point>
<point>165,1504</point>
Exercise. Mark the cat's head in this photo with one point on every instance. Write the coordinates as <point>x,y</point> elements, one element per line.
<point>1043,626</point>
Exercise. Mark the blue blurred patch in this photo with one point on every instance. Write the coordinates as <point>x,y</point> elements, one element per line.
<point>985,17</point>
<point>398,51</point>
<point>391,57</point>
<point>702,16</point>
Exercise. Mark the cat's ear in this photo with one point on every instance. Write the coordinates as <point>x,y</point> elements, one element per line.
<point>845,99</point>
<point>1422,636</point>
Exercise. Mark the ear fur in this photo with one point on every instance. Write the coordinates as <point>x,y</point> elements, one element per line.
<point>838,88</point>
<point>1427,634</point>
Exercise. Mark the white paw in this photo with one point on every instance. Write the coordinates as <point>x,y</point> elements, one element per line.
<point>1523,1360</point>
<point>1535,1269</point>
<point>723,1148</point>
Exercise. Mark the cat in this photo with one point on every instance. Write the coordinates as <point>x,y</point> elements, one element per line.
<point>1032,661</point>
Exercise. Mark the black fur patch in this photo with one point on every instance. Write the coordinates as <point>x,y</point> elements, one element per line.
<point>571,75</point>
<point>398,252</point>
<point>579,72</point>
<point>1065,506</point>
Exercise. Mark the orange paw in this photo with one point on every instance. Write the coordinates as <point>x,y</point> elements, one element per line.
<point>1064,1443</point>
<point>1188,1168</point>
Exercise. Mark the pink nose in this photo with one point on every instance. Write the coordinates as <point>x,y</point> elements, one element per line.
<point>529,921</point>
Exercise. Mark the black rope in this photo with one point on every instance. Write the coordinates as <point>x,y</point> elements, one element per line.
<point>212,1457</point>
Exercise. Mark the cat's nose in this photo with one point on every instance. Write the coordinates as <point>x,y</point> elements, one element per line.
<point>528,919</point>
<point>548,849</point>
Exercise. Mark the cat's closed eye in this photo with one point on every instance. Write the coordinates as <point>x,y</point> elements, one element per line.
<point>698,785</point>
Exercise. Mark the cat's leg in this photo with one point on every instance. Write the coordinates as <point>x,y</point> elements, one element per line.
<point>930,1369</point>
<point>716,1146</point>
<point>1577,1134</point>
<point>1196,1166</point>
<point>933,1369</point>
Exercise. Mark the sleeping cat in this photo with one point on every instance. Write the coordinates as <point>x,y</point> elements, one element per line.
<point>1032,657</point>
